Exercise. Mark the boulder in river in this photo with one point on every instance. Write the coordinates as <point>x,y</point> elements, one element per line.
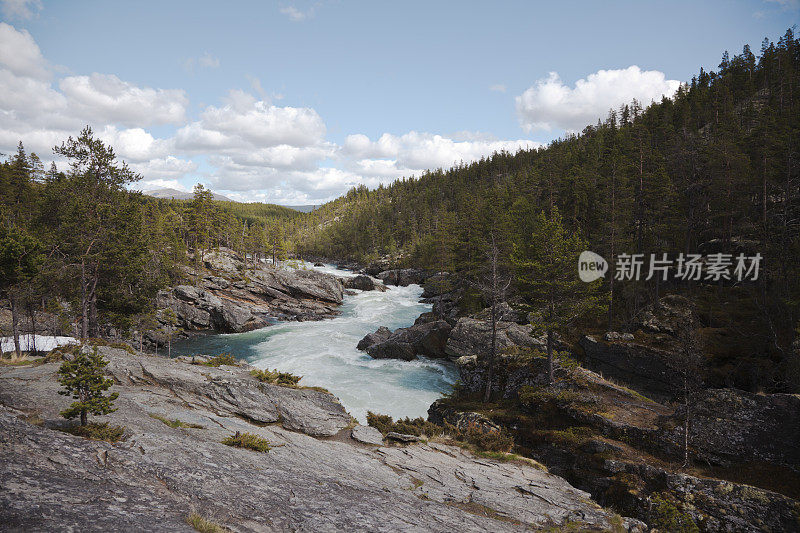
<point>428,339</point>
<point>382,334</point>
<point>363,283</point>
<point>403,277</point>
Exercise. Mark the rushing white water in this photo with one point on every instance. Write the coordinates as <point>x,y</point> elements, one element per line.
<point>324,353</point>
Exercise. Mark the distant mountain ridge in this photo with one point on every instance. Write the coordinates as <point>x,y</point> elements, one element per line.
<point>180,195</point>
<point>175,194</point>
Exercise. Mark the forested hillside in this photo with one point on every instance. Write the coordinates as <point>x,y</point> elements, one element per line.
<point>84,248</point>
<point>714,169</point>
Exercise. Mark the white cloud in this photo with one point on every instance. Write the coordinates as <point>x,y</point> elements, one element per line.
<point>135,144</point>
<point>21,9</point>
<point>550,104</point>
<point>204,61</point>
<point>414,152</point>
<point>208,61</point>
<point>106,98</point>
<point>297,15</point>
<point>20,54</point>
<point>167,168</point>
<point>244,125</point>
<point>498,88</point>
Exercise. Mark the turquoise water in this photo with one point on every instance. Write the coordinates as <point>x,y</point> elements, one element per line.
<point>324,353</point>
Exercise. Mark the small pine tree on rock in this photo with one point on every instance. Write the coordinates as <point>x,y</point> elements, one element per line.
<point>83,379</point>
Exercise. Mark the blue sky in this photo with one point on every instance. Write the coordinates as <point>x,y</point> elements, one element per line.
<point>294,102</point>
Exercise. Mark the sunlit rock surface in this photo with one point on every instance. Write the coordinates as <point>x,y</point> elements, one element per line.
<point>51,480</point>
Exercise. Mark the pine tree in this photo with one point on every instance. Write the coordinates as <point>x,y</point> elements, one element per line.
<point>546,261</point>
<point>20,260</point>
<point>83,379</point>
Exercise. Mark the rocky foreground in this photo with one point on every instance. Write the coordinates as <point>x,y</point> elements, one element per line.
<point>316,477</point>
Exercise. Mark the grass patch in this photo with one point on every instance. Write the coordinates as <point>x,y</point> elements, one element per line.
<point>667,515</point>
<point>248,441</point>
<point>473,436</point>
<point>32,418</point>
<point>123,346</point>
<point>418,426</point>
<point>97,431</point>
<point>273,377</point>
<point>23,360</point>
<point>507,457</point>
<point>204,525</point>
<point>482,510</point>
<point>571,436</point>
<point>318,389</point>
<point>557,397</point>
<point>221,359</point>
<point>175,423</point>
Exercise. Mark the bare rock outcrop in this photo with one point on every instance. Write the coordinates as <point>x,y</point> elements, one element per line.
<point>158,475</point>
<point>472,336</point>
<point>228,297</point>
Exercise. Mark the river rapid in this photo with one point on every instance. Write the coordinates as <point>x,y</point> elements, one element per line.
<point>324,353</point>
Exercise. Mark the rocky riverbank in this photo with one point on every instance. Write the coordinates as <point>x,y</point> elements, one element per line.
<point>226,297</point>
<point>320,475</point>
<point>624,445</point>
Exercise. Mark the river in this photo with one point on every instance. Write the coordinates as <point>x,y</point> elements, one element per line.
<point>324,353</point>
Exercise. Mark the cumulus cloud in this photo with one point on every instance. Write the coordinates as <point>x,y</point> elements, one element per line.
<point>416,151</point>
<point>550,104</point>
<point>43,113</point>
<point>135,144</point>
<point>259,123</point>
<point>21,9</point>
<point>19,53</point>
<point>106,98</point>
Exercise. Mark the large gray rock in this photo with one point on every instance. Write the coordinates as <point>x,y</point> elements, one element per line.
<point>505,313</point>
<point>641,367</point>
<point>53,481</point>
<point>367,435</point>
<point>392,350</point>
<point>380,335</point>
<point>235,318</point>
<point>363,283</point>
<point>472,336</point>
<point>403,276</point>
<point>224,261</point>
<point>729,426</point>
<point>428,339</point>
